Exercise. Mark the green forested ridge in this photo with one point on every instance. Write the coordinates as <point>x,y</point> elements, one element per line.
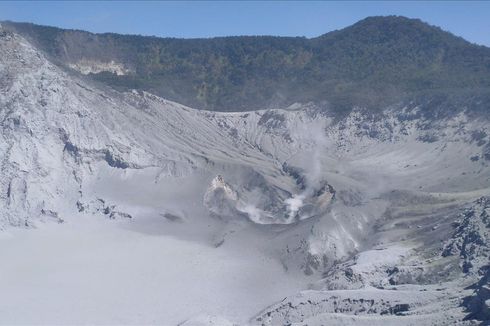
<point>375,62</point>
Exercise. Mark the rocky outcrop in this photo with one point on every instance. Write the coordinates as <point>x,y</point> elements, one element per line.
<point>362,307</point>
<point>471,242</point>
<point>100,206</point>
<point>471,238</point>
<point>220,199</point>
<point>87,67</point>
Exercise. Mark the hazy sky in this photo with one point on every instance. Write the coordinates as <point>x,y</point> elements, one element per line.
<point>468,19</point>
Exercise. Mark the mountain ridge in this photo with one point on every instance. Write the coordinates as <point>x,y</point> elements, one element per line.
<point>367,20</point>
<point>374,63</point>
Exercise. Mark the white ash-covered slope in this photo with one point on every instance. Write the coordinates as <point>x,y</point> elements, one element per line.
<point>429,266</point>
<point>363,208</point>
<point>56,130</point>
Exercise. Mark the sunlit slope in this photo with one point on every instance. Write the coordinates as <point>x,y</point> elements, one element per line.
<point>334,204</point>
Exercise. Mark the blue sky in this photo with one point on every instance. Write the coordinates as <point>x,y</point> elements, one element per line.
<point>468,19</point>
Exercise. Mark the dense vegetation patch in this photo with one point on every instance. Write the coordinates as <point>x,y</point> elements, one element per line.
<point>374,63</point>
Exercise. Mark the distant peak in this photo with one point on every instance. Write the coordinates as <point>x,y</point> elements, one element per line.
<point>395,21</point>
<point>382,29</point>
<point>389,18</point>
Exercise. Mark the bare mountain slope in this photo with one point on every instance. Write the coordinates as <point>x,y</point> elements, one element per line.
<point>366,213</point>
